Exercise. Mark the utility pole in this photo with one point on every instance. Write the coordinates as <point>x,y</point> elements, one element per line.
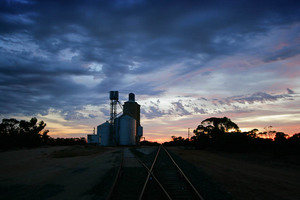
<point>188,133</point>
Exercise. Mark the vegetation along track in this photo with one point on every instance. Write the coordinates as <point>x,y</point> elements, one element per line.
<point>157,177</point>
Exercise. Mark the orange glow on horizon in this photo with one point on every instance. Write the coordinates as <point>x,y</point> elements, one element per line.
<point>161,129</point>
<point>159,140</point>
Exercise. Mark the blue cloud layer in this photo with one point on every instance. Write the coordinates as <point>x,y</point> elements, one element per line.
<point>45,44</point>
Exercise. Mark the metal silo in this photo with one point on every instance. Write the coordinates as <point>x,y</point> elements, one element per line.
<point>127,132</point>
<point>132,109</point>
<point>103,131</point>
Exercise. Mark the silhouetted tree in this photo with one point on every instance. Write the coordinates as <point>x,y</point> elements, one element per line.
<point>294,143</point>
<point>222,133</point>
<point>177,141</point>
<point>269,132</point>
<point>295,138</point>
<point>9,130</point>
<point>280,137</point>
<point>148,143</point>
<point>220,124</point>
<point>253,133</point>
<point>67,141</point>
<point>14,133</point>
<point>214,127</point>
<point>45,137</point>
<point>31,132</point>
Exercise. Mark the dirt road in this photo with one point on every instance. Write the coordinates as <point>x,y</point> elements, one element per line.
<point>53,173</point>
<point>248,177</point>
<point>81,172</point>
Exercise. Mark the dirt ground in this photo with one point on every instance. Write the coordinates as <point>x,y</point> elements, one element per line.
<point>247,176</point>
<point>54,172</point>
<point>71,172</point>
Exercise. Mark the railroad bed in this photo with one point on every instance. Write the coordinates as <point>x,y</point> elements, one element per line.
<point>151,173</point>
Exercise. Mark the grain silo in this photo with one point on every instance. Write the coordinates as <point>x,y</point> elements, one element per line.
<point>123,128</point>
<point>132,109</point>
<point>104,133</point>
<point>127,131</point>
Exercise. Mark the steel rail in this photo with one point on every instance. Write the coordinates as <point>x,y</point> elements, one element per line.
<point>117,176</point>
<point>160,185</point>
<point>186,178</point>
<point>149,173</point>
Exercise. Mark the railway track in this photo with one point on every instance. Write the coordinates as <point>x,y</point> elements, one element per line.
<point>156,176</point>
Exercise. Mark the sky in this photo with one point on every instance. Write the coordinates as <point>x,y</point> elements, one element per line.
<point>185,61</point>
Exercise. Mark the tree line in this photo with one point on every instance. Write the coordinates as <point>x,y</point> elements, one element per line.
<point>18,134</point>
<point>224,134</point>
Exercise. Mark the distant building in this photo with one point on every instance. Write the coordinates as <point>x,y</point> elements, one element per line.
<point>123,130</point>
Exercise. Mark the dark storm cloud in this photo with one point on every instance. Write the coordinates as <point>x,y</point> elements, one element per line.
<point>284,53</point>
<point>73,115</point>
<point>180,109</point>
<point>31,84</point>
<point>143,88</point>
<point>153,110</point>
<point>290,91</point>
<point>200,111</point>
<point>261,97</point>
<point>105,111</point>
<point>41,93</point>
<point>123,37</point>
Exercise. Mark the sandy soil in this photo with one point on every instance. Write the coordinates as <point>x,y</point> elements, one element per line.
<point>248,177</point>
<point>36,174</point>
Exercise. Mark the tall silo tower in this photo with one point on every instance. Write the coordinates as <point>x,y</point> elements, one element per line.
<point>132,109</point>
<point>114,98</point>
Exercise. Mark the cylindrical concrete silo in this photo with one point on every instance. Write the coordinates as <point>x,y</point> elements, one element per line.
<point>132,108</point>
<point>103,131</point>
<point>127,132</point>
